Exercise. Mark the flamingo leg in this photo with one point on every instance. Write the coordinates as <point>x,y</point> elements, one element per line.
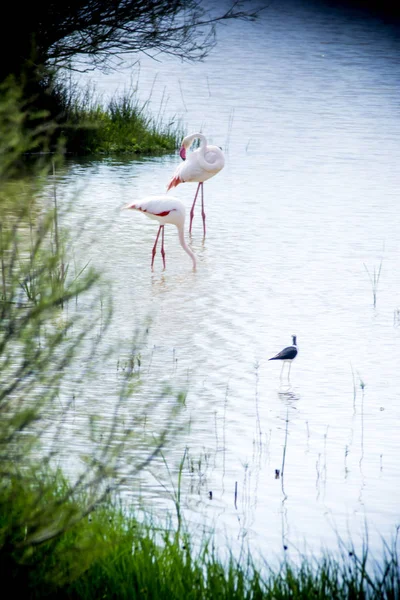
<point>162,246</point>
<point>290,366</point>
<point>192,209</point>
<point>153,253</point>
<point>203,214</point>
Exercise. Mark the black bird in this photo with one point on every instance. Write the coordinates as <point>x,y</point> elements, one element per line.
<point>287,355</point>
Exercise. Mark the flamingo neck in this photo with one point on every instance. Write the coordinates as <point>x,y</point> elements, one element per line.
<point>196,136</point>
<point>186,247</point>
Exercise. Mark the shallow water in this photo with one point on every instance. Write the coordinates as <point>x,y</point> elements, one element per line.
<point>305,105</point>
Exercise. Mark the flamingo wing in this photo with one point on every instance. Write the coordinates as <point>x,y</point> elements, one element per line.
<point>157,206</point>
<point>214,158</point>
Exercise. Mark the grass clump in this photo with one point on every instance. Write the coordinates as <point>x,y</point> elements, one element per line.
<point>120,126</point>
<point>148,565</point>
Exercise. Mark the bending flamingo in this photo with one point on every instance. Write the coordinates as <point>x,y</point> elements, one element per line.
<point>202,164</point>
<point>287,355</point>
<point>165,210</point>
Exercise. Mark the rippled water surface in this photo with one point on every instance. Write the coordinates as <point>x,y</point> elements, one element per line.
<point>305,104</point>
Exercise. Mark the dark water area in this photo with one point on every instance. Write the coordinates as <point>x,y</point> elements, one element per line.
<point>386,9</point>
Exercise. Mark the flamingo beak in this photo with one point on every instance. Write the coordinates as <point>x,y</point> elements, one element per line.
<point>182,153</point>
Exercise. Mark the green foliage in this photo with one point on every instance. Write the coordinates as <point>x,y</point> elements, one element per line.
<point>37,341</point>
<point>22,130</point>
<point>45,340</point>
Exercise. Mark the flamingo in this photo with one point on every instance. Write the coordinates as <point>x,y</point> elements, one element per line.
<point>287,355</point>
<point>202,164</point>
<point>165,210</point>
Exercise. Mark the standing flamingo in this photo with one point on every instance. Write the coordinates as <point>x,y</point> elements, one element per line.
<point>164,209</point>
<point>202,164</point>
<point>287,355</point>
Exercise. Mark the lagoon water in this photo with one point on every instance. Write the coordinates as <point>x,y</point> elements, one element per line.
<point>305,104</point>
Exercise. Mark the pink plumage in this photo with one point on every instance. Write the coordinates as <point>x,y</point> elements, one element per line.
<point>174,182</point>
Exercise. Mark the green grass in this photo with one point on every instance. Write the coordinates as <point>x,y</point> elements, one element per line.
<point>110,554</point>
<point>121,126</point>
<point>142,568</point>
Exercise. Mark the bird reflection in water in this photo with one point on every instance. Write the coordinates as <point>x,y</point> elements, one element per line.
<point>288,395</point>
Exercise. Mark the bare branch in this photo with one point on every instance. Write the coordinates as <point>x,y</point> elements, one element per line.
<point>91,33</point>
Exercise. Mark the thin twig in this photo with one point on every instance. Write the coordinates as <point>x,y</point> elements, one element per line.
<point>3,268</point>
